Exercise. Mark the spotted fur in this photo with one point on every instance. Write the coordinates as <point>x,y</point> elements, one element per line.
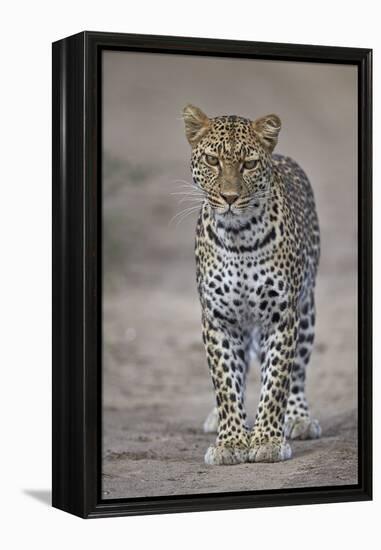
<point>257,253</point>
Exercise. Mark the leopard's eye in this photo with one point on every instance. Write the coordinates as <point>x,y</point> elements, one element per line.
<point>250,164</point>
<point>210,159</point>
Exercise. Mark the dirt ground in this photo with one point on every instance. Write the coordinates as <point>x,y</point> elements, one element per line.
<point>156,386</point>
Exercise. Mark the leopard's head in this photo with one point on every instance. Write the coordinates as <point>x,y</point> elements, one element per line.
<point>231,159</point>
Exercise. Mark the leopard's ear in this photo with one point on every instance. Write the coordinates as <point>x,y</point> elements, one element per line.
<point>196,124</point>
<point>268,128</point>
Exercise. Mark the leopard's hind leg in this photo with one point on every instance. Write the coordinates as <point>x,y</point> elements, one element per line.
<point>299,423</point>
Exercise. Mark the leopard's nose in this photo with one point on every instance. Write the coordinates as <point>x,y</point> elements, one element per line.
<point>230,197</point>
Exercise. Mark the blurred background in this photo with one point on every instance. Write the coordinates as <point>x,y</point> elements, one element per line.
<point>156,386</point>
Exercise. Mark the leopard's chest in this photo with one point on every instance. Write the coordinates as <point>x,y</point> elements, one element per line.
<point>241,291</point>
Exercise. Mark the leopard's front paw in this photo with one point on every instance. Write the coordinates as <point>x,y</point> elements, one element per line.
<point>302,428</point>
<point>221,454</point>
<point>274,449</point>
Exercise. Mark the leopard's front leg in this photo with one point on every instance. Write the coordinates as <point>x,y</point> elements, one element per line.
<point>267,439</point>
<point>227,355</point>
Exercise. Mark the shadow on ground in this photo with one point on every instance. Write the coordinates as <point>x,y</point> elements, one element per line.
<point>42,495</point>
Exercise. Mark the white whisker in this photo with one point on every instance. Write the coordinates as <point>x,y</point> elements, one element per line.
<point>184,213</point>
<point>187,184</point>
<point>261,196</point>
<point>190,193</point>
<point>191,199</point>
<point>180,219</point>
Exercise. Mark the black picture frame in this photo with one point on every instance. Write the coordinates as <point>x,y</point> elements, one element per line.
<point>77,277</point>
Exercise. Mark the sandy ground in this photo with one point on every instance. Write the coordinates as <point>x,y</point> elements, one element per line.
<point>156,386</point>
<point>157,390</point>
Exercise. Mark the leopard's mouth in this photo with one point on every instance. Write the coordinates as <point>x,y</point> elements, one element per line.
<point>232,218</point>
<point>225,210</point>
<point>229,213</point>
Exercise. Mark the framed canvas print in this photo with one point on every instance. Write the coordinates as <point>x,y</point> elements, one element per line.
<point>211,274</point>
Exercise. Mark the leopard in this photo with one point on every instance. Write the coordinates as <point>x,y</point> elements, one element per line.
<point>257,251</point>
